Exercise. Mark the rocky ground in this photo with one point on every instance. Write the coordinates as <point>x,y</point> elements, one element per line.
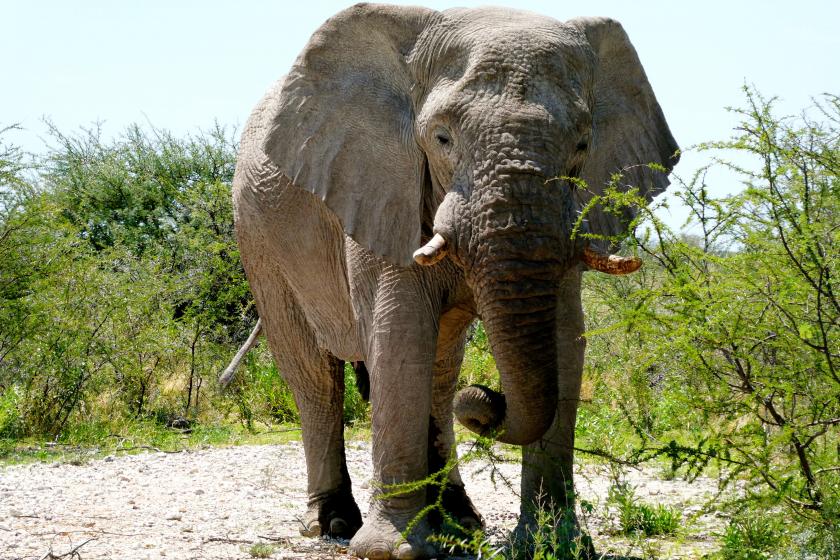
<point>219,503</point>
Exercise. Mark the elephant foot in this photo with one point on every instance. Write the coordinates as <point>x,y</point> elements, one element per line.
<point>381,537</point>
<point>460,508</point>
<point>334,516</point>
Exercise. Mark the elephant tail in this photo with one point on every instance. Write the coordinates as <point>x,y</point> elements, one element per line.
<point>227,376</point>
<point>362,380</point>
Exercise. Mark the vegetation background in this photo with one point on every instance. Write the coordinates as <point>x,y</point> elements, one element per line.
<point>122,298</point>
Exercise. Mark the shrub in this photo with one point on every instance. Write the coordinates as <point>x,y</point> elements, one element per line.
<point>261,550</point>
<point>10,421</point>
<point>637,517</point>
<point>751,537</point>
<point>121,292</point>
<point>554,536</point>
<point>724,351</point>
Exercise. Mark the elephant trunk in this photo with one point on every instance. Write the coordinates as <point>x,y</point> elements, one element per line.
<point>521,331</point>
<point>517,246</point>
<point>520,320</point>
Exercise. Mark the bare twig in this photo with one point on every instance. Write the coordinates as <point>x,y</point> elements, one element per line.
<point>610,457</point>
<point>97,531</point>
<point>228,540</point>
<point>284,540</point>
<point>148,447</point>
<point>74,553</point>
<point>283,431</point>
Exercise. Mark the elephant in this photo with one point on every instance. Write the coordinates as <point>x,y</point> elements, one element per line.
<point>409,174</point>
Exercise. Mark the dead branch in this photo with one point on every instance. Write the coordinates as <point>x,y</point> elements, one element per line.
<point>283,431</point>
<point>284,540</point>
<point>147,447</point>
<point>74,553</point>
<point>228,540</point>
<point>98,531</point>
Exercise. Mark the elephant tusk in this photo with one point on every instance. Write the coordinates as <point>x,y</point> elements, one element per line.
<point>610,264</point>
<point>431,252</point>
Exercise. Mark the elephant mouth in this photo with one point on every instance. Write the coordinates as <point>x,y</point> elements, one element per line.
<point>437,248</point>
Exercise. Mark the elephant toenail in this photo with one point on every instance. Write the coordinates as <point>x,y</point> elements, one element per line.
<point>312,530</point>
<point>379,552</point>
<point>406,552</point>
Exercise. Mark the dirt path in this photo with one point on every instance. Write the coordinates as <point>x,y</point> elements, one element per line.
<point>216,503</point>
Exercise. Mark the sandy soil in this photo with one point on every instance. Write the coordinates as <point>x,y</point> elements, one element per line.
<point>217,503</point>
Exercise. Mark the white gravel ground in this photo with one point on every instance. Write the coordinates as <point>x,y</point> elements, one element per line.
<point>216,503</point>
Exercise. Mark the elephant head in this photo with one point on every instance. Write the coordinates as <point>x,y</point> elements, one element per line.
<point>444,131</point>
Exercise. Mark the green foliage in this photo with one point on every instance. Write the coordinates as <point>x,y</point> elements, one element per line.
<point>637,517</point>
<point>751,537</point>
<point>555,536</point>
<point>723,352</point>
<point>261,550</point>
<point>479,365</point>
<point>14,189</point>
<point>475,544</point>
<point>356,410</point>
<point>260,391</point>
<point>10,420</point>
<point>121,292</point>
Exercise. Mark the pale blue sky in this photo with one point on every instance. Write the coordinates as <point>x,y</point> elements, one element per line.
<point>182,64</point>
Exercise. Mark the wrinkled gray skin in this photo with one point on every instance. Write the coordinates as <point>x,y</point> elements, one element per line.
<point>396,123</point>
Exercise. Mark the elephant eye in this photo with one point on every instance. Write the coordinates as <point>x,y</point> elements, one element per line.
<point>582,146</point>
<point>443,137</point>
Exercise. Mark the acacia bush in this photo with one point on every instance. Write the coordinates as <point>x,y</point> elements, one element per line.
<point>725,352</point>
<point>121,291</point>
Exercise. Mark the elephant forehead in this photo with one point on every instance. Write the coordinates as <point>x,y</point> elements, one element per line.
<point>504,29</point>
<point>491,17</point>
<point>496,37</point>
<point>475,54</point>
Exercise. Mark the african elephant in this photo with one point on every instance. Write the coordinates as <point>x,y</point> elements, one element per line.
<point>399,182</point>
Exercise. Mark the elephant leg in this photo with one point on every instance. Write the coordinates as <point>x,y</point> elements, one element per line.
<point>450,355</point>
<point>331,509</point>
<point>400,360</point>
<point>316,379</point>
<point>547,477</point>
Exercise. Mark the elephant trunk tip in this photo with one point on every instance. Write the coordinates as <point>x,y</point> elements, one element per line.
<point>482,410</point>
<point>479,408</point>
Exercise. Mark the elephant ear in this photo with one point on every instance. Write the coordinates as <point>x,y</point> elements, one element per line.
<point>344,126</point>
<point>629,129</point>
